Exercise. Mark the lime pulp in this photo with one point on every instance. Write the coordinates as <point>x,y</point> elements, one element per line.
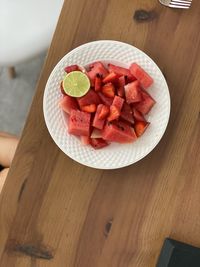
<point>76,84</point>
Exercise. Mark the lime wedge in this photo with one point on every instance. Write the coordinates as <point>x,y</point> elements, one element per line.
<point>76,84</point>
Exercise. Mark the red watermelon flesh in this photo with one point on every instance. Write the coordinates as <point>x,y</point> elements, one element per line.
<point>120,86</point>
<point>140,127</point>
<point>79,123</point>
<point>130,79</point>
<point>146,104</point>
<point>85,140</point>
<point>118,132</point>
<point>111,77</point>
<point>96,68</point>
<point>120,71</point>
<point>133,92</point>
<point>98,123</point>
<point>99,66</point>
<point>105,100</point>
<point>90,98</point>
<point>67,103</point>
<point>98,143</point>
<point>126,113</point>
<point>96,133</point>
<point>138,115</point>
<point>120,91</point>
<point>71,68</point>
<point>121,81</point>
<point>141,75</point>
<point>118,102</point>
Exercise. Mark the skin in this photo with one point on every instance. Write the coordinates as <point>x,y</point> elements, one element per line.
<point>8,145</point>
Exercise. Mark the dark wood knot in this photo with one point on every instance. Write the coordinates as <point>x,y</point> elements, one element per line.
<point>37,252</point>
<point>142,15</point>
<point>22,189</point>
<point>108,227</point>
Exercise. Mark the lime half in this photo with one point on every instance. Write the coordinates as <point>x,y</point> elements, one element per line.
<point>76,84</point>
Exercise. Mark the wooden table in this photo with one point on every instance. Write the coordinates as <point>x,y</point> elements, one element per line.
<point>56,212</point>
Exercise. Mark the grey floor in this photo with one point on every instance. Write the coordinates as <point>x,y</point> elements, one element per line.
<point>16,94</point>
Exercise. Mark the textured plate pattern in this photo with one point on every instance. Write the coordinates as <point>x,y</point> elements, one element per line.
<point>115,155</point>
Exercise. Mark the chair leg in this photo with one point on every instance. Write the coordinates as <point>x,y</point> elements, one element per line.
<point>12,72</point>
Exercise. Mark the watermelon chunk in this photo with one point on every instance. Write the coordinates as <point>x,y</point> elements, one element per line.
<point>79,123</point>
<point>120,91</point>
<point>96,68</point>
<point>146,104</point>
<point>90,98</point>
<point>99,68</point>
<point>122,81</point>
<point>97,83</point>
<point>108,90</point>
<point>130,79</point>
<point>96,133</point>
<point>120,71</point>
<point>98,123</point>
<point>71,68</point>
<point>67,103</point>
<point>104,112</point>
<point>120,86</point>
<point>98,143</point>
<point>140,127</point>
<point>115,108</point>
<point>126,113</point>
<point>138,115</point>
<point>141,75</point>
<point>111,77</point>
<point>85,140</point>
<point>114,113</point>
<point>118,102</point>
<point>118,132</point>
<point>105,100</point>
<point>89,108</point>
<point>133,92</point>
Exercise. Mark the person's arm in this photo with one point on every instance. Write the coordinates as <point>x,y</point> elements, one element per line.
<point>8,145</point>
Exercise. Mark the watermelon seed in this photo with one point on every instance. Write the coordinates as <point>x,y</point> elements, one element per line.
<point>98,75</point>
<point>120,127</point>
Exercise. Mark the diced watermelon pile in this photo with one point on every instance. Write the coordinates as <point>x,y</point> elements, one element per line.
<point>114,108</point>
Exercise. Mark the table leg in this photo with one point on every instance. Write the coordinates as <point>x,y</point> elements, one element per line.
<point>12,72</point>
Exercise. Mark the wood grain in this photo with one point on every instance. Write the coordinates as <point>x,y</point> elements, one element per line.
<point>55,212</point>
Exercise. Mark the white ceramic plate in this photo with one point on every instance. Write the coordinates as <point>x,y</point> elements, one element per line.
<point>116,155</point>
